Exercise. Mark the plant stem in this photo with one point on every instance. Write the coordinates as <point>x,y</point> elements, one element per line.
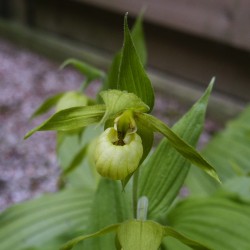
<point>135,189</point>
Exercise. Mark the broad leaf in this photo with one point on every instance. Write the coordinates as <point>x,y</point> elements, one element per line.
<point>76,161</point>
<point>132,76</point>
<point>72,118</point>
<point>221,224</point>
<point>113,72</point>
<point>110,206</point>
<point>229,151</point>
<point>71,156</point>
<point>186,150</point>
<point>38,222</point>
<point>163,174</point>
<point>137,35</point>
<point>236,188</point>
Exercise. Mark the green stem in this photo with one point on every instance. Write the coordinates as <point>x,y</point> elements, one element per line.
<point>135,190</point>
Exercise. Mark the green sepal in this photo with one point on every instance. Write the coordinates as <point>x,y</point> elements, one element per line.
<point>147,137</point>
<point>72,118</point>
<point>164,173</point>
<point>132,76</point>
<point>181,146</point>
<point>118,101</point>
<point>47,105</point>
<point>169,231</point>
<point>70,244</point>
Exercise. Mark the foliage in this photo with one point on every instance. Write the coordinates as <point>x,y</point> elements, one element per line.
<point>135,207</point>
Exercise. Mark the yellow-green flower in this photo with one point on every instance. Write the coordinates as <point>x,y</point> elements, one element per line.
<point>117,157</point>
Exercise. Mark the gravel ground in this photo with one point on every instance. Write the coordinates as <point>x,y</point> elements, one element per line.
<point>29,168</point>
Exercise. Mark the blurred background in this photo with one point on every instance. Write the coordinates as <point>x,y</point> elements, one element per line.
<point>188,42</point>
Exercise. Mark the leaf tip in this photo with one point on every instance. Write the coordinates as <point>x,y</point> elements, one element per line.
<point>214,174</point>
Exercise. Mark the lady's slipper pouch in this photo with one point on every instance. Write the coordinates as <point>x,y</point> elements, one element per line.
<point>116,156</point>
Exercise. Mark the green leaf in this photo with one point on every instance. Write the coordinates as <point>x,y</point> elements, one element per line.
<point>72,118</point>
<point>70,157</point>
<point>163,174</point>
<point>229,151</point>
<point>77,159</point>
<point>132,76</point>
<point>113,72</point>
<point>91,73</point>
<point>69,245</point>
<point>219,223</point>
<point>47,105</point>
<point>148,235</point>
<point>110,206</point>
<point>140,235</point>
<point>38,222</point>
<point>139,40</point>
<point>111,80</point>
<point>186,150</point>
<point>168,231</point>
<point>117,101</point>
<point>236,188</point>
<point>72,99</point>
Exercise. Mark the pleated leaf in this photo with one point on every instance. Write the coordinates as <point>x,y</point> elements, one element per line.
<point>72,118</point>
<point>137,34</point>
<point>113,72</point>
<point>237,188</point>
<point>132,76</point>
<point>110,206</point>
<point>186,150</point>
<point>228,151</point>
<point>36,223</point>
<point>221,224</point>
<point>75,159</point>
<point>164,173</point>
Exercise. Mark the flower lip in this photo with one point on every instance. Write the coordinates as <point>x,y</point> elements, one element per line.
<point>116,158</point>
